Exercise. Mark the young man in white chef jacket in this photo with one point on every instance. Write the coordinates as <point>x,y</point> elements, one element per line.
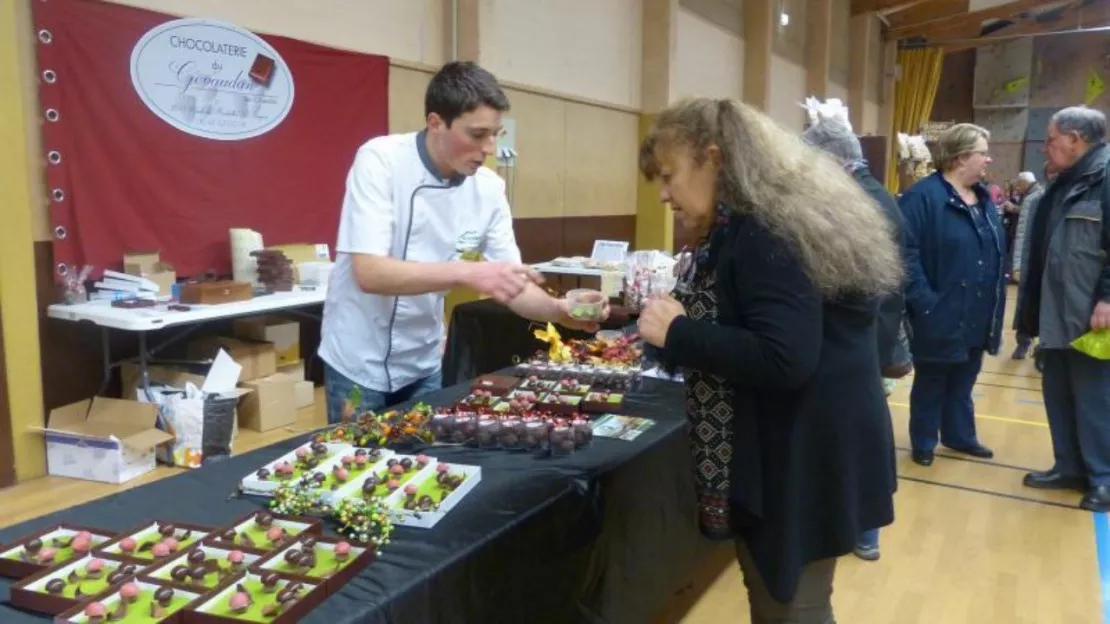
<point>416,206</point>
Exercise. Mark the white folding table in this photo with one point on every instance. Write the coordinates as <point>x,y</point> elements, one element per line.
<point>141,321</point>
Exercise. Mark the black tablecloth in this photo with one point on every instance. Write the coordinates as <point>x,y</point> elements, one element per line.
<point>485,336</point>
<point>604,535</point>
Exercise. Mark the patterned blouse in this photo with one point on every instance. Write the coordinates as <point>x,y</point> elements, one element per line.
<point>708,397</point>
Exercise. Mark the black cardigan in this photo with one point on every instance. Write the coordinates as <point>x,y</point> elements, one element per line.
<point>813,448</point>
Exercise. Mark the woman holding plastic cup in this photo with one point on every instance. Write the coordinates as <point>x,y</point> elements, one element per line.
<point>774,329</point>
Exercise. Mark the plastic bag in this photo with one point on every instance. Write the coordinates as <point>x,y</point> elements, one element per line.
<point>1095,344</point>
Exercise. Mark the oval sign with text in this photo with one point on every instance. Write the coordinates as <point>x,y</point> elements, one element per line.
<point>212,79</point>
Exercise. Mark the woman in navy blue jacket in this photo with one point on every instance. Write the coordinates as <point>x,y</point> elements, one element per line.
<point>955,295</point>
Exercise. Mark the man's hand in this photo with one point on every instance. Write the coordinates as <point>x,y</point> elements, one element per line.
<point>564,318</point>
<point>656,319</point>
<point>1100,320</point>
<point>501,280</point>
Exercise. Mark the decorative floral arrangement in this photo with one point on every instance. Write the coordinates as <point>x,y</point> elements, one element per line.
<point>298,498</point>
<point>365,520</point>
<point>370,430</point>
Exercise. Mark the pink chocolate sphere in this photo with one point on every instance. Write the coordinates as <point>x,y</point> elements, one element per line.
<point>235,556</point>
<point>274,534</point>
<point>95,610</point>
<point>81,544</point>
<point>47,554</point>
<point>342,549</point>
<point>127,544</point>
<point>171,544</point>
<point>94,566</point>
<point>130,591</point>
<point>160,550</point>
<point>239,601</point>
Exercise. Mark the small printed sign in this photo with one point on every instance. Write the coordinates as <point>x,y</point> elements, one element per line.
<point>212,79</point>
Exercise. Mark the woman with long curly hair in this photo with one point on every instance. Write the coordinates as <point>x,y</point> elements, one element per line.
<point>774,327</point>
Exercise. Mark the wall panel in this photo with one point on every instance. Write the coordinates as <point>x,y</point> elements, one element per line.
<point>600,162</point>
<point>709,59</point>
<point>531,43</point>
<point>788,93</point>
<point>840,63</point>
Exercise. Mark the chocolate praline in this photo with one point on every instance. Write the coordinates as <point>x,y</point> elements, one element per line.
<point>197,556</point>
<point>391,462</point>
<point>264,519</point>
<point>55,586</point>
<point>128,568</point>
<point>406,463</point>
<point>293,556</point>
<point>319,477</point>
<point>33,546</point>
<point>360,452</point>
<point>167,530</point>
<point>308,543</point>
<point>270,580</point>
<point>320,448</point>
<point>229,535</point>
<point>164,595</point>
<point>284,595</point>
<point>116,577</point>
<point>263,473</point>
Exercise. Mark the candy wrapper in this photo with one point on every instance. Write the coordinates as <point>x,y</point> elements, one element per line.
<point>1095,344</point>
<point>647,273</point>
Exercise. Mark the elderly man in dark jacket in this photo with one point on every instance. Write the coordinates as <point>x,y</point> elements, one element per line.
<point>835,136</point>
<point>1065,294</point>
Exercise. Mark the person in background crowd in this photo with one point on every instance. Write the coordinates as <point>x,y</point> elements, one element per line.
<point>1011,211</point>
<point>416,204</point>
<point>1030,194</point>
<point>833,134</point>
<point>955,293</point>
<point>1066,293</point>
<point>774,329</point>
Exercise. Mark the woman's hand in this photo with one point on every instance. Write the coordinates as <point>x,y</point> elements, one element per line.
<point>656,319</point>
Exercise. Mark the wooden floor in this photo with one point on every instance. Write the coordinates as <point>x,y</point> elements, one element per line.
<point>969,544</point>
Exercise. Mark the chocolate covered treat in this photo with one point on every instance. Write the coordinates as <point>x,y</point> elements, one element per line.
<point>262,70</point>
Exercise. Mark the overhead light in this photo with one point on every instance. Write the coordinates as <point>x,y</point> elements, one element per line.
<point>784,19</point>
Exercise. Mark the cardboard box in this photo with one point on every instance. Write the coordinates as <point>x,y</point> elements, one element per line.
<point>296,370</point>
<point>158,374</point>
<point>257,359</point>
<point>102,439</point>
<point>306,393</point>
<point>149,265</point>
<point>271,404</point>
<point>285,335</point>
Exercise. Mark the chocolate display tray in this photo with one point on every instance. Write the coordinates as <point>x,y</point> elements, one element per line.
<point>111,597</point>
<point>307,525</point>
<point>18,569</point>
<point>316,593</point>
<point>24,596</point>
<point>364,557</point>
<point>199,531</point>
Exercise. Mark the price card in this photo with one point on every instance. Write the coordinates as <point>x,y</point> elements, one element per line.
<point>609,251</point>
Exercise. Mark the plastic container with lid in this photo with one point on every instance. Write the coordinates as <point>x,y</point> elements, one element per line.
<point>586,304</point>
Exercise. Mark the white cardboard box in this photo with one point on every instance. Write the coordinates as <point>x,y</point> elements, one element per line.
<point>102,439</point>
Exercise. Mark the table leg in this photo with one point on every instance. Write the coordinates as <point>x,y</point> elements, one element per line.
<point>144,364</point>
<point>106,352</point>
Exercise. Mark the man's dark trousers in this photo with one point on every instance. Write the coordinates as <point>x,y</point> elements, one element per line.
<point>1077,400</point>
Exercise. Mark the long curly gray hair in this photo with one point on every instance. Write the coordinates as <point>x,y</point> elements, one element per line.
<point>802,195</point>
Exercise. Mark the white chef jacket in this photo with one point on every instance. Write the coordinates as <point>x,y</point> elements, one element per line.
<point>397,206</point>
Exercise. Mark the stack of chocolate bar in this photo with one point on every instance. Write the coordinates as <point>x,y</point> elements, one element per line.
<point>275,271</point>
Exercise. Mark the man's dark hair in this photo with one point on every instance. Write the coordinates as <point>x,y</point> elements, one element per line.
<point>460,87</point>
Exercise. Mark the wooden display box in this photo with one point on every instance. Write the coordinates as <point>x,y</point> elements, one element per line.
<point>18,568</point>
<point>566,405</point>
<point>212,293</point>
<point>111,599</point>
<point>360,557</point>
<point>30,593</point>
<point>603,403</point>
<point>301,524</point>
<point>187,535</point>
<point>498,385</point>
<point>314,594</point>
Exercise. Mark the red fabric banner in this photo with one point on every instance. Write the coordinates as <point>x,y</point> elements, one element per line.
<point>122,179</point>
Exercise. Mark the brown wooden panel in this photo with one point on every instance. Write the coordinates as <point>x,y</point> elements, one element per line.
<point>71,354</point>
<point>7,452</point>
<point>579,233</point>
<point>875,151</point>
<point>955,95</point>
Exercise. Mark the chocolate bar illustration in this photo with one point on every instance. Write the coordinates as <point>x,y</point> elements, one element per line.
<point>262,70</point>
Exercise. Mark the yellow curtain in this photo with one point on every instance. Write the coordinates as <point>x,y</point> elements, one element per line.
<point>913,99</point>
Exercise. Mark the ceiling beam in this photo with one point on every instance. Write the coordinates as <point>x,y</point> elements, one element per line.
<point>926,12</point>
<point>859,7</point>
<point>1072,17</point>
<point>966,24</point>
